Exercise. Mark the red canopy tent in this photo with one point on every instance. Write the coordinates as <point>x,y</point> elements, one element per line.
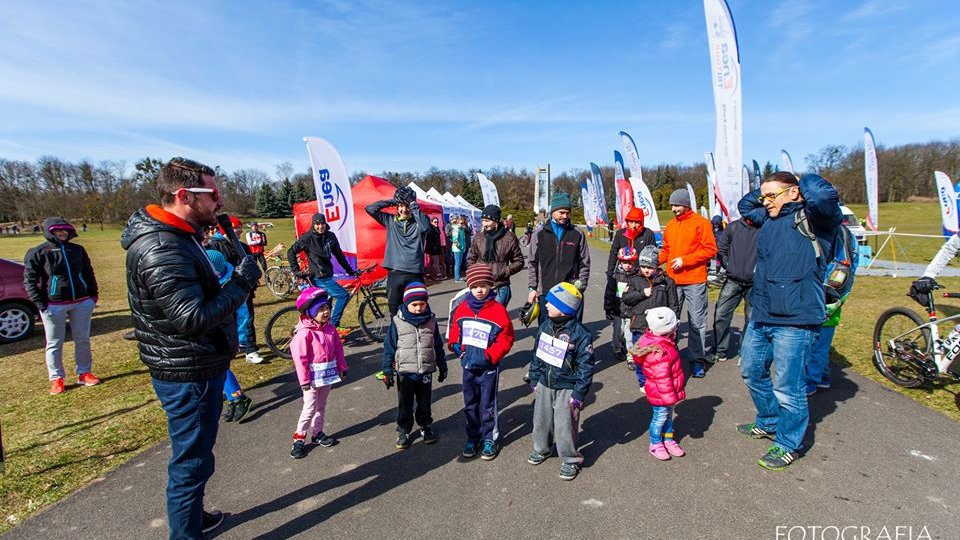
<point>371,236</point>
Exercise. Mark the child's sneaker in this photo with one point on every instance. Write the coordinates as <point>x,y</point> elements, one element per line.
<point>673,448</point>
<point>536,458</point>
<point>659,451</point>
<point>88,379</point>
<point>254,358</point>
<point>57,387</point>
<point>242,407</point>
<point>324,440</point>
<point>403,441</point>
<point>490,450</point>
<point>697,371</point>
<point>343,332</point>
<point>752,431</point>
<point>429,437</point>
<point>631,366</point>
<point>231,411</point>
<point>298,449</point>
<point>777,459</point>
<point>469,450</point>
<point>569,471</point>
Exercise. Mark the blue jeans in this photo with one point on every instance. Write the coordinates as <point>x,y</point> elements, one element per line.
<point>781,402</point>
<point>661,424</point>
<point>818,368</point>
<point>457,262</point>
<point>339,295</point>
<point>504,294</point>
<point>641,378</point>
<point>193,413</point>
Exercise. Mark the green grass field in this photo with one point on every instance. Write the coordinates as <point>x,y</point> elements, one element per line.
<point>55,445</point>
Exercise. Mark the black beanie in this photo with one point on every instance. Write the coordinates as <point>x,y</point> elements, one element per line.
<point>319,218</point>
<point>491,211</point>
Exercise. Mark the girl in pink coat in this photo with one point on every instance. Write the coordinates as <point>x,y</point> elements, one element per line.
<point>657,356</point>
<point>318,356</point>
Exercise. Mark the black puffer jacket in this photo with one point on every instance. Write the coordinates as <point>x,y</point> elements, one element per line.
<point>635,303</point>
<point>184,322</point>
<point>58,271</point>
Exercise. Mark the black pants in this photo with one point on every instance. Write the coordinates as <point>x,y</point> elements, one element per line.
<point>410,390</point>
<point>398,280</point>
<point>261,260</point>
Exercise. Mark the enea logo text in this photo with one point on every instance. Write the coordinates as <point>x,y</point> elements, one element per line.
<point>945,202</point>
<point>334,203</point>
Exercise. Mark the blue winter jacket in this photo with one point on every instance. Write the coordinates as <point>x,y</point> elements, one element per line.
<point>788,281</point>
<point>576,373</point>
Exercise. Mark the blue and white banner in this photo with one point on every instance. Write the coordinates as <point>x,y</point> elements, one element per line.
<point>599,197</point>
<point>786,164</point>
<point>586,198</point>
<point>693,196</point>
<point>871,174</point>
<point>644,201</point>
<point>334,198</point>
<point>713,206</point>
<point>633,157</point>
<point>947,197</point>
<point>490,195</point>
<point>756,176</point>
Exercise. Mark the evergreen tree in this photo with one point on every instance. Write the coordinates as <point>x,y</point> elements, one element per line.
<point>266,201</point>
<point>284,201</point>
<point>299,193</point>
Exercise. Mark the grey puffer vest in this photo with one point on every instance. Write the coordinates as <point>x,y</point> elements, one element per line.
<point>415,346</point>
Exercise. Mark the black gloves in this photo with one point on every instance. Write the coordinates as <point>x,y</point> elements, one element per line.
<point>925,285</point>
<point>249,272</point>
<point>609,315</point>
<point>443,375</point>
<point>388,380</point>
<point>404,195</point>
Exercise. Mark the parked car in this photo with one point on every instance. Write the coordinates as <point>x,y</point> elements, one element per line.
<point>851,221</point>
<point>18,314</point>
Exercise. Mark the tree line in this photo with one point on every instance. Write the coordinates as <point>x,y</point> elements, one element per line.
<point>109,191</point>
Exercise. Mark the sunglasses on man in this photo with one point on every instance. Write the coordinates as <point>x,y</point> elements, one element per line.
<point>214,193</point>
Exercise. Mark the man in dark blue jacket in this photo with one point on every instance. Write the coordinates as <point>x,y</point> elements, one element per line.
<point>737,251</point>
<point>788,305</point>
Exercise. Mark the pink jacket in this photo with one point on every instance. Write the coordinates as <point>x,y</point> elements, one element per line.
<point>314,343</point>
<point>662,369</point>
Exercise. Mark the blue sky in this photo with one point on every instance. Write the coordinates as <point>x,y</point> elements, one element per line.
<point>410,85</point>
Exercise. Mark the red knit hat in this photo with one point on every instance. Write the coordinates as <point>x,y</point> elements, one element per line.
<point>479,274</point>
<point>635,214</point>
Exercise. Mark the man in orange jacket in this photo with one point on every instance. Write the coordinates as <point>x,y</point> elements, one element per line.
<point>688,246</point>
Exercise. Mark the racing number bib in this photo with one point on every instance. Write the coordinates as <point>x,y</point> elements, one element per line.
<point>476,334</point>
<point>323,374</point>
<point>551,350</point>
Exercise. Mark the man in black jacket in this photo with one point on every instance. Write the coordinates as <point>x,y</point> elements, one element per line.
<point>558,252</point>
<point>185,327</point>
<point>320,245</point>
<point>737,252</point>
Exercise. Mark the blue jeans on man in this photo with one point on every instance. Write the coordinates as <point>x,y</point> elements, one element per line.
<point>193,417</point>
<point>504,294</point>
<point>339,295</point>
<point>818,368</point>
<point>781,402</point>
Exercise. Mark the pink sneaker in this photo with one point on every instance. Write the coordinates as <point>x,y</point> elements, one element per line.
<point>659,452</point>
<point>673,448</point>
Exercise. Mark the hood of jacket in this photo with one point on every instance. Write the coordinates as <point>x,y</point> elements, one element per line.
<point>151,219</point>
<point>57,222</point>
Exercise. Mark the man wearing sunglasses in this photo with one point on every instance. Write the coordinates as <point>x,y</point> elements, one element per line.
<point>185,327</point>
<point>788,306</point>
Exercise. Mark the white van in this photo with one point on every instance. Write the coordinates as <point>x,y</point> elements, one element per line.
<point>851,221</point>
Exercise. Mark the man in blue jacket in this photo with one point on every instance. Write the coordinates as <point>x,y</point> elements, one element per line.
<point>788,305</point>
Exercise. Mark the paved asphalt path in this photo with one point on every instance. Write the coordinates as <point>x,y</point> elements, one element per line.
<point>875,460</point>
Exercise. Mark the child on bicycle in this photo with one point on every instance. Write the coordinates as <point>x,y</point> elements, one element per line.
<point>318,358</point>
<point>413,350</point>
<point>657,358</point>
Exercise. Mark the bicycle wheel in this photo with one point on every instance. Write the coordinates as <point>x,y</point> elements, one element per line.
<point>280,329</point>
<point>375,316</point>
<point>524,241</point>
<point>901,350</point>
<point>280,281</point>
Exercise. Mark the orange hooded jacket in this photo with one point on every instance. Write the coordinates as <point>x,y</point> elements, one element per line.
<point>689,237</point>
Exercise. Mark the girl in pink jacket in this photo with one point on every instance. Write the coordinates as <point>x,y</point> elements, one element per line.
<point>318,356</point>
<point>656,354</point>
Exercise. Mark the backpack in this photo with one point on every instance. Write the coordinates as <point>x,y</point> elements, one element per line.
<point>844,258</point>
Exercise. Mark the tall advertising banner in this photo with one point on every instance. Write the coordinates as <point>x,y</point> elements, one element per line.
<point>948,204</point>
<point>490,195</point>
<point>600,198</point>
<point>541,190</point>
<point>725,68</point>
<point>756,176</point>
<point>870,172</point>
<point>745,183</point>
<point>644,201</point>
<point>693,196</point>
<point>623,190</point>
<point>717,206</point>
<point>334,198</point>
<point>786,164</point>
<point>633,158</point>
<point>586,198</point>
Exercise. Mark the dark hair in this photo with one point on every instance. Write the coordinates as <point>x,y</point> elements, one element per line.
<point>784,177</point>
<point>180,173</point>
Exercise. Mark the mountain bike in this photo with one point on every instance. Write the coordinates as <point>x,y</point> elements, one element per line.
<point>373,314</point>
<point>280,279</point>
<point>909,351</point>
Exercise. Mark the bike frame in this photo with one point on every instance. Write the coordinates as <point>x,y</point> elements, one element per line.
<point>937,351</point>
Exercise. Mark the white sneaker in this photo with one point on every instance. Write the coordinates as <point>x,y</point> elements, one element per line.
<point>254,358</point>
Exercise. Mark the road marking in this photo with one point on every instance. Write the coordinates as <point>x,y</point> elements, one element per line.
<point>592,503</point>
<point>919,454</point>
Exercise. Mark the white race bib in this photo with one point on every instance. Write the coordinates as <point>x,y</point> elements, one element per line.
<point>324,374</point>
<point>476,333</point>
<point>551,350</point>
<point>621,287</point>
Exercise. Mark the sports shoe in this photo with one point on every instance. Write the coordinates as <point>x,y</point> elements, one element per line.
<point>536,458</point>
<point>211,520</point>
<point>403,441</point>
<point>673,448</point>
<point>469,450</point>
<point>231,411</point>
<point>429,437</point>
<point>658,451</point>
<point>752,431</point>
<point>298,450</point>
<point>490,450</point>
<point>631,366</point>
<point>324,440</point>
<point>526,377</point>
<point>811,389</point>
<point>569,471</point>
<point>254,358</point>
<point>697,371</point>
<point>88,379</point>
<point>242,407</point>
<point>57,387</point>
<point>343,332</point>
<point>643,392</point>
<point>711,359</point>
<point>777,459</point>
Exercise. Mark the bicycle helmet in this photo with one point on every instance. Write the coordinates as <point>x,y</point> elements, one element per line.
<point>627,254</point>
<point>529,313</point>
<point>310,297</point>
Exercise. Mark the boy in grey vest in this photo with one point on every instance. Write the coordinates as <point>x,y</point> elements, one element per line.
<point>412,351</point>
